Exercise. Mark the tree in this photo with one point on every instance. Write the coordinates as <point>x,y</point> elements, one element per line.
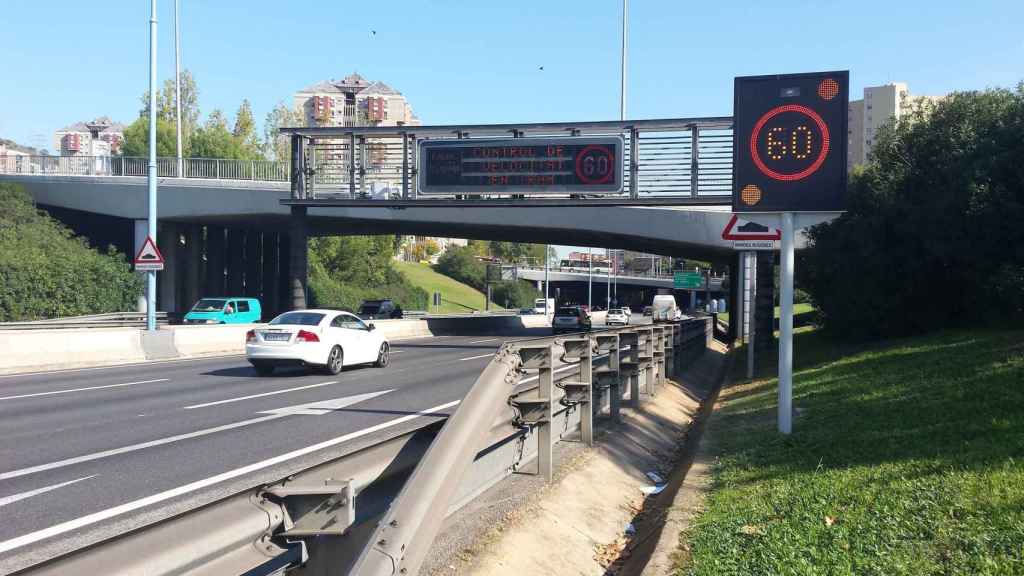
<point>277,146</point>
<point>136,139</point>
<point>245,127</point>
<point>461,263</point>
<point>165,107</point>
<point>932,231</point>
<point>214,140</point>
<point>424,249</point>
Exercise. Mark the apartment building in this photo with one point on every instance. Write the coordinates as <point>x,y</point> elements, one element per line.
<point>353,101</point>
<point>880,105</point>
<point>99,137</point>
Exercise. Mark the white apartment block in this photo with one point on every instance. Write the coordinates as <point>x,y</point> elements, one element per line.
<point>100,137</point>
<point>353,101</point>
<point>881,104</point>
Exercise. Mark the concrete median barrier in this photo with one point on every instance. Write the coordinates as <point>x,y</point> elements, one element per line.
<point>25,350</point>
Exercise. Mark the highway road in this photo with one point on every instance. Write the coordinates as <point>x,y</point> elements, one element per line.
<point>87,454</point>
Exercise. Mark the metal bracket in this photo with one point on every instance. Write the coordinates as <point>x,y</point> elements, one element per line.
<point>532,410</point>
<point>317,515</point>
<point>575,348</point>
<point>535,357</point>
<point>575,392</point>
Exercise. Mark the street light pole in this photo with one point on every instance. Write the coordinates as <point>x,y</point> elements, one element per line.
<point>590,279</point>
<point>622,77</point>
<point>608,286</point>
<point>177,82</point>
<point>151,275</point>
<point>547,258</point>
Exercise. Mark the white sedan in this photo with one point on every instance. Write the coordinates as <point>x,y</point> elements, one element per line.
<point>325,339</point>
<point>616,316</point>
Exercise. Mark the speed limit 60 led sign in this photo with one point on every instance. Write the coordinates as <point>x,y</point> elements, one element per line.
<point>789,144</point>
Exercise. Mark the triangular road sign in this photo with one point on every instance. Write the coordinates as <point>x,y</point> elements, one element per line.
<point>748,231</point>
<point>149,256</point>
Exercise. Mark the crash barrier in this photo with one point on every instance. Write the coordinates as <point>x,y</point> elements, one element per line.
<point>44,348</point>
<point>375,509</point>
<point>108,320</point>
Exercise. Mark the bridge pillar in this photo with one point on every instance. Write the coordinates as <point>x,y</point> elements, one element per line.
<point>298,264</point>
<point>252,263</point>
<point>214,261</point>
<point>764,307</point>
<point>190,265</point>
<point>269,293</point>
<point>141,231</point>
<point>167,280</point>
<point>235,261</point>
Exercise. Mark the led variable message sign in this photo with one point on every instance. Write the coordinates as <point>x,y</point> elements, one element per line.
<point>521,165</point>
<point>789,142</point>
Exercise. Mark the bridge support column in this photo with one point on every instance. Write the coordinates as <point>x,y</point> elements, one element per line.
<point>167,280</point>
<point>252,263</point>
<point>764,307</point>
<point>298,263</point>
<point>141,231</point>
<point>190,265</point>
<point>235,262</point>
<point>269,293</point>
<point>215,246</point>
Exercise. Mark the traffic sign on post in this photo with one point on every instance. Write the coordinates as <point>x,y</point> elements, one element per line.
<point>688,280</point>
<point>149,257</point>
<point>750,235</point>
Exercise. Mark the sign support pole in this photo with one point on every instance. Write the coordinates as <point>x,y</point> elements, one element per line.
<point>786,326</point>
<point>750,277</point>
<point>151,275</point>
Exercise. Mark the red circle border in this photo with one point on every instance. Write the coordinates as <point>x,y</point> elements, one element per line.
<point>611,164</point>
<point>806,171</point>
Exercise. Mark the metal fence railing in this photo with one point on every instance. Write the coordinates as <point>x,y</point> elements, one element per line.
<point>208,168</point>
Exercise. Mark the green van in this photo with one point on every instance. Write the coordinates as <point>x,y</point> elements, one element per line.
<point>225,310</point>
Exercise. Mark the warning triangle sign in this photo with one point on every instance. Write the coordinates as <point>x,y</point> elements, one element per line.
<point>149,256</point>
<point>748,231</point>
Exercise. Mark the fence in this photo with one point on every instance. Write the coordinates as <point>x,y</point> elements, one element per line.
<point>377,509</point>
<point>209,168</point>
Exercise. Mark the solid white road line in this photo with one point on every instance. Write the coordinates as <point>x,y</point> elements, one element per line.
<point>77,523</point>
<point>14,498</point>
<point>274,393</point>
<point>476,357</point>
<point>59,371</point>
<point>484,340</point>
<point>83,389</point>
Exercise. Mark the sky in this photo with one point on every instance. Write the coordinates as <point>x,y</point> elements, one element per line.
<point>473,61</point>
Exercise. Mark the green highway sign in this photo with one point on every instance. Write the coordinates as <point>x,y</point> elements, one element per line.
<point>688,280</point>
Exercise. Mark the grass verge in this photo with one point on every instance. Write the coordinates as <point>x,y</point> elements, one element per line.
<point>907,457</point>
<point>455,296</point>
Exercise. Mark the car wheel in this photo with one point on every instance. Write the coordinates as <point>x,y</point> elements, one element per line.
<point>384,356</point>
<point>262,368</point>
<point>335,361</point>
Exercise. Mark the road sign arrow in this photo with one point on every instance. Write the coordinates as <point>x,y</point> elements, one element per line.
<point>324,406</point>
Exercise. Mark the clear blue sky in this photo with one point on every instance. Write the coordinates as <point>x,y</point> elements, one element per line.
<point>477,61</point>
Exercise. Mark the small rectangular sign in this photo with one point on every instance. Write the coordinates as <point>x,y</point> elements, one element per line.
<point>753,244</point>
<point>149,266</point>
<point>688,280</point>
<point>575,164</point>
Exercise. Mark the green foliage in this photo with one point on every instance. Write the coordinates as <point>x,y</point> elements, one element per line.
<point>136,139</point>
<point>932,237</point>
<point>345,270</point>
<point>460,263</point>
<point>514,294</point>
<point>904,460</point>
<point>45,272</point>
<point>275,145</point>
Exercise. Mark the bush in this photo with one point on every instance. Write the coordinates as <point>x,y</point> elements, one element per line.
<point>514,294</point>
<point>345,270</point>
<point>932,233</point>
<point>47,272</point>
<point>460,263</point>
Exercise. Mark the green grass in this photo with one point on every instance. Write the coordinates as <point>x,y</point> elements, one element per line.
<point>907,458</point>
<point>455,296</point>
<point>798,309</point>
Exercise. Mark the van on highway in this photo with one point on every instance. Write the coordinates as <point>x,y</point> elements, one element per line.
<point>542,306</point>
<point>664,308</point>
<point>225,310</point>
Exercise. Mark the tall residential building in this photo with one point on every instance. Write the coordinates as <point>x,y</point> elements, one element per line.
<point>100,137</point>
<point>881,104</point>
<point>353,101</point>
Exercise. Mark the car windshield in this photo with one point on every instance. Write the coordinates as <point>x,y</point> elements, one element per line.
<point>209,305</point>
<point>299,318</point>
<point>567,312</point>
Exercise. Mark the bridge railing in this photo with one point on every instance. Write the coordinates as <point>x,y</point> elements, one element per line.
<point>207,168</point>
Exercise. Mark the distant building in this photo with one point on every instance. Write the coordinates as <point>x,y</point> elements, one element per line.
<point>353,101</point>
<point>881,104</point>
<point>100,137</point>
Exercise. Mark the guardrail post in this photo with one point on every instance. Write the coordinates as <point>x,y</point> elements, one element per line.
<point>546,391</point>
<point>581,392</point>
<point>217,169</point>
<point>670,349</point>
<point>646,358</point>
<point>608,377</point>
<point>629,364</point>
<point>658,353</point>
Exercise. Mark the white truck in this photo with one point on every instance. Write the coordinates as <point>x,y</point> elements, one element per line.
<point>664,308</point>
<point>540,306</point>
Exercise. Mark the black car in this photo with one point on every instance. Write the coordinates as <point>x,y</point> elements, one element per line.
<point>379,310</point>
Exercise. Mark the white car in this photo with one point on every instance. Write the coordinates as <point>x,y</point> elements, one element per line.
<point>616,316</point>
<point>325,339</point>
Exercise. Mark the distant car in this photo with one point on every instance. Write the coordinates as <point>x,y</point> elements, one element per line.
<point>648,310</point>
<point>225,310</point>
<point>325,339</point>
<point>384,309</point>
<point>570,319</point>
<point>616,316</point>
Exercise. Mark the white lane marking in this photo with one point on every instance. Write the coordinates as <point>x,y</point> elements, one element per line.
<point>77,523</point>
<point>476,357</point>
<point>397,351</point>
<point>484,340</point>
<point>240,398</point>
<point>14,498</point>
<point>310,408</point>
<point>83,389</point>
<point>121,365</point>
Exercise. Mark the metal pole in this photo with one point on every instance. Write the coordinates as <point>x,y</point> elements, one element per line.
<point>151,275</point>
<point>786,327</point>
<point>590,279</point>
<point>622,77</point>
<point>608,284</point>
<point>547,312</point>
<point>177,82</point>
<point>751,279</point>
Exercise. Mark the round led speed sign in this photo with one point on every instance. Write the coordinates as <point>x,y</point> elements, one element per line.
<point>789,142</point>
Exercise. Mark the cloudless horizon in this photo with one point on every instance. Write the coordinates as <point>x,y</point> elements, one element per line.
<point>462,62</point>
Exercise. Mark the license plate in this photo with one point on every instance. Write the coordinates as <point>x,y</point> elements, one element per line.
<point>276,336</point>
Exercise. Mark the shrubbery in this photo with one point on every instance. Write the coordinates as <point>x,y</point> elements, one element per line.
<point>934,232</point>
<point>46,272</point>
<point>460,263</point>
<point>345,270</point>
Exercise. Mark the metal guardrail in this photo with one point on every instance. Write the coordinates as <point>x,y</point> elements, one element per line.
<point>207,168</point>
<point>108,320</point>
<point>343,516</point>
